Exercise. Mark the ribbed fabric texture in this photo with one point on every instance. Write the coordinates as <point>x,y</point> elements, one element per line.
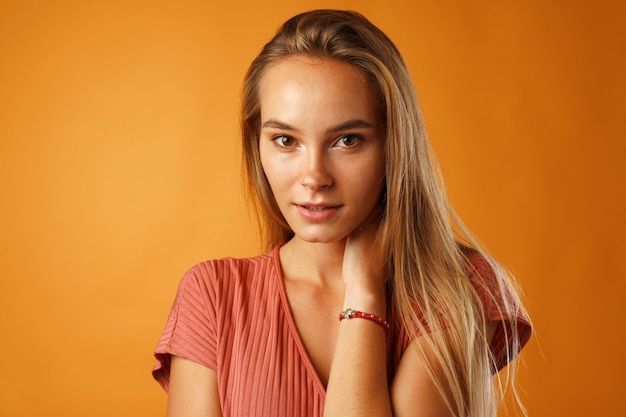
<point>233,316</point>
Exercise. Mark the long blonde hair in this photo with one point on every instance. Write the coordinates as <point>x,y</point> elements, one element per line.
<point>426,245</point>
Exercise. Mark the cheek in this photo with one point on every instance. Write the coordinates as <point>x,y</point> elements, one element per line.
<point>372,173</point>
<point>375,184</point>
<point>274,175</point>
<point>266,164</point>
<point>365,186</point>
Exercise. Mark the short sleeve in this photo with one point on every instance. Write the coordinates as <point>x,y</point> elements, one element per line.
<point>513,330</point>
<point>190,329</point>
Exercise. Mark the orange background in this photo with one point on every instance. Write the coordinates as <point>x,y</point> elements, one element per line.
<point>119,169</point>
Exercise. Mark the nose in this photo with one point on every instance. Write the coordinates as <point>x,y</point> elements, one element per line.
<point>316,171</point>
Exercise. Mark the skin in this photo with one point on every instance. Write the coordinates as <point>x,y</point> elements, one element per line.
<point>322,150</point>
<point>322,143</point>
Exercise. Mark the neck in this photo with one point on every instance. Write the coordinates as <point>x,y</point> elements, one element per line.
<point>318,263</point>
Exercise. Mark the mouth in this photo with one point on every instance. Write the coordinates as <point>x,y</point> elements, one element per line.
<point>316,213</point>
<point>318,208</point>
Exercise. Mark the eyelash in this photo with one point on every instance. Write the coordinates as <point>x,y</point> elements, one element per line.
<point>280,139</point>
<point>355,138</point>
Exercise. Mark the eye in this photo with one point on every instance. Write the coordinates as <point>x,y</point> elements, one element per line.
<point>348,141</point>
<point>283,141</point>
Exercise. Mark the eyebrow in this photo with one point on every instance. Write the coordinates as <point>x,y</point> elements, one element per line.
<point>350,124</point>
<point>353,124</point>
<point>276,124</point>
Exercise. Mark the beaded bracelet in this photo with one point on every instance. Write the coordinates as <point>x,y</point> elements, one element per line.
<point>351,314</point>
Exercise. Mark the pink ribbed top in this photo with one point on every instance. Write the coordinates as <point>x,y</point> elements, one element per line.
<point>233,316</point>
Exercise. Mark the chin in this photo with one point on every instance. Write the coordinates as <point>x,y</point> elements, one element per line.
<point>321,237</point>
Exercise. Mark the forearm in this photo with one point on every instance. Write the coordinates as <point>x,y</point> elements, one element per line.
<point>358,379</point>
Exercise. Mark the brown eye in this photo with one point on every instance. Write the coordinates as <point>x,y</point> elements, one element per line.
<point>348,141</point>
<point>284,141</point>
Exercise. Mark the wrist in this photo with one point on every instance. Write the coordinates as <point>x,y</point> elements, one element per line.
<point>370,300</point>
<point>350,313</point>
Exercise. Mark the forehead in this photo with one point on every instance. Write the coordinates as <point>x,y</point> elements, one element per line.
<point>303,85</point>
<point>307,60</point>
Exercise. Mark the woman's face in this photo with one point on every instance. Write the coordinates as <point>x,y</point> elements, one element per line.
<point>322,145</point>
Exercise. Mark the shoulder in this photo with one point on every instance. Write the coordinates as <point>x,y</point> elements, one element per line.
<point>231,268</point>
<point>481,272</point>
<point>220,280</point>
<point>501,304</point>
<point>476,263</point>
<point>490,284</point>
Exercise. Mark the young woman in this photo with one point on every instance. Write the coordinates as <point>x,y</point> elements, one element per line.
<point>373,299</point>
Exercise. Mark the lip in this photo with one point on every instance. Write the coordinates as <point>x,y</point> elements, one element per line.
<point>316,212</point>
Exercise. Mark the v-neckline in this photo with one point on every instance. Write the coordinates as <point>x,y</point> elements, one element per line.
<point>291,323</point>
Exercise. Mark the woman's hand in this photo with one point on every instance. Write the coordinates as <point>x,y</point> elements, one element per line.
<point>357,385</point>
<point>363,269</point>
